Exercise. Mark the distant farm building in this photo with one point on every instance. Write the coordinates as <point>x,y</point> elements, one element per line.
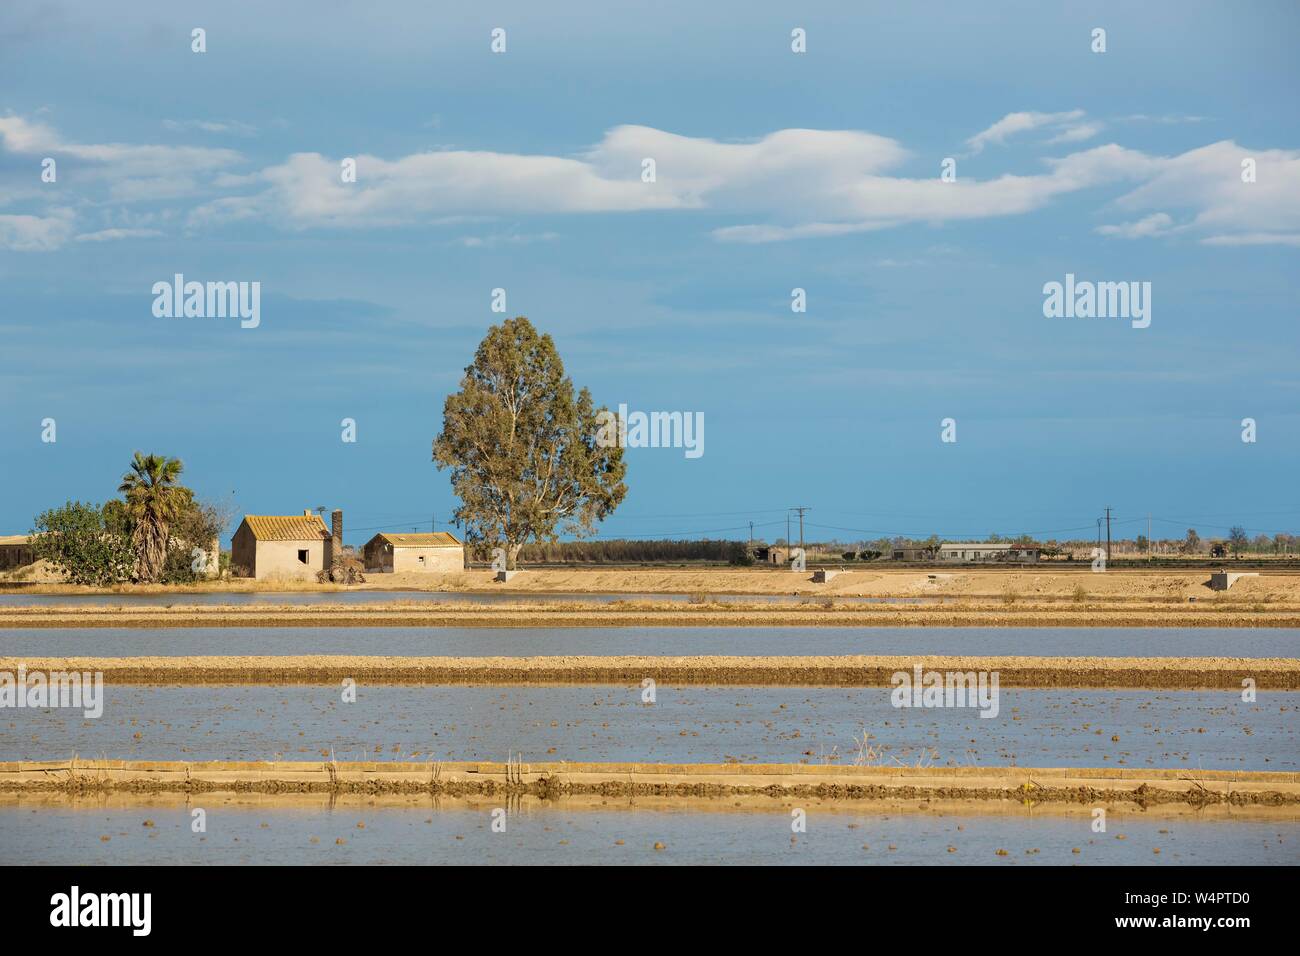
<point>15,551</point>
<point>295,547</point>
<point>912,554</point>
<point>436,552</point>
<point>971,551</point>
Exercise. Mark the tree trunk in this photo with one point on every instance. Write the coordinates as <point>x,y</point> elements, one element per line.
<point>150,550</point>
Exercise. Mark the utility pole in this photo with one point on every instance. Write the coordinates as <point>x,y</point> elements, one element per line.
<point>801,510</point>
<point>751,537</point>
<point>1150,545</point>
<point>1099,536</point>
<point>433,522</point>
<point>1108,533</point>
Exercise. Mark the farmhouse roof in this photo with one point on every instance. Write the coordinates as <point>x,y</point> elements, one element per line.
<point>286,527</point>
<point>431,539</point>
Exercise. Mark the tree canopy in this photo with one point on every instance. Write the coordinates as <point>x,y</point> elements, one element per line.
<point>153,500</point>
<point>522,448</point>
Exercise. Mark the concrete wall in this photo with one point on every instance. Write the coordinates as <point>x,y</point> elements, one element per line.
<point>280,559</point>
<point>429,560</point>
<point>243,552</point>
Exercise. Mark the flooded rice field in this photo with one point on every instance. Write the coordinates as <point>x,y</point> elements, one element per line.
<point>660,641</point>
<point>697,724</point>
<point>251,830</point>
<point>19,599</point>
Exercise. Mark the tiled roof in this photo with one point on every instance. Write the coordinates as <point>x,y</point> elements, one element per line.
<point>15,539</point>
<point>286,527</point>
<point>434,539</point>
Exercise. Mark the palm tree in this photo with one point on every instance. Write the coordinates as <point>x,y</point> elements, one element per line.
<point>154,501</point>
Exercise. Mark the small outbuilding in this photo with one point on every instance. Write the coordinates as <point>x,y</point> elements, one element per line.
<point>295,547</point>
<point>436,552</point>
<point>15,551</point>
<point>912,553</point>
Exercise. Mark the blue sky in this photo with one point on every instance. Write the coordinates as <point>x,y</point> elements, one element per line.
<point>775,170</point>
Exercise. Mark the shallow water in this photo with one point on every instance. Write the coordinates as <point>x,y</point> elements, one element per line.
<point>19,599</point>
<point>243,832</point>
<point>542,641</point>
<point>695,724</point>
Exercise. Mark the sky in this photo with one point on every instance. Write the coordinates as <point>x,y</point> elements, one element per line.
<point>774,170</point>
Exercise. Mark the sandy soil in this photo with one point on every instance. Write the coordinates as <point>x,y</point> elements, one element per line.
<point>965,612</point>
<point>1047,582</point>
<point>846,671</point>
<point>559,779</point>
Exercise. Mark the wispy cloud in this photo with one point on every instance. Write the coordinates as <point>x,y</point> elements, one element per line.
<point>1070,127</point>
<point>226,127</point>
<point>1154,225</point>
<point>24,233</point>
<point>506,239</point>
<point>110,235</point>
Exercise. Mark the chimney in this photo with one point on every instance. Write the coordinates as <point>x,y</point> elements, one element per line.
<point>336,543</point>
<point>306,512</point>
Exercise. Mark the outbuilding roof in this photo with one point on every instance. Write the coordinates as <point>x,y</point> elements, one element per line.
<point>430,539</point>
<point>286,527</point>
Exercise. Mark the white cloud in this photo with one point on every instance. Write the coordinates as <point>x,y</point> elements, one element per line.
<point>131,172</point>
<point>110,235</point>
<point>1207,182</point>
<point>803,183</point>
<point>1165,119</point>
<point>1154,225</point>
<point>509,239</point>
<point>35,233</point>
<point>1076,134</point>
<point>1070,125</point>
<point>1254,239</point>
<point>226,127</point>
<point>789,184</point>
<point>107,173</point>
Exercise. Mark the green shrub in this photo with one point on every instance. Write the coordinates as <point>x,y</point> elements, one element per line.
<point>77,541</point>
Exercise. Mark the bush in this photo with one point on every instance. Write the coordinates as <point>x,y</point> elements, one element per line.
<point>76,540</point>
<point>741,556</point>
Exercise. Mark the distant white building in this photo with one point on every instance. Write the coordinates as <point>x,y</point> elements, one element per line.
<point>971,551</point>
